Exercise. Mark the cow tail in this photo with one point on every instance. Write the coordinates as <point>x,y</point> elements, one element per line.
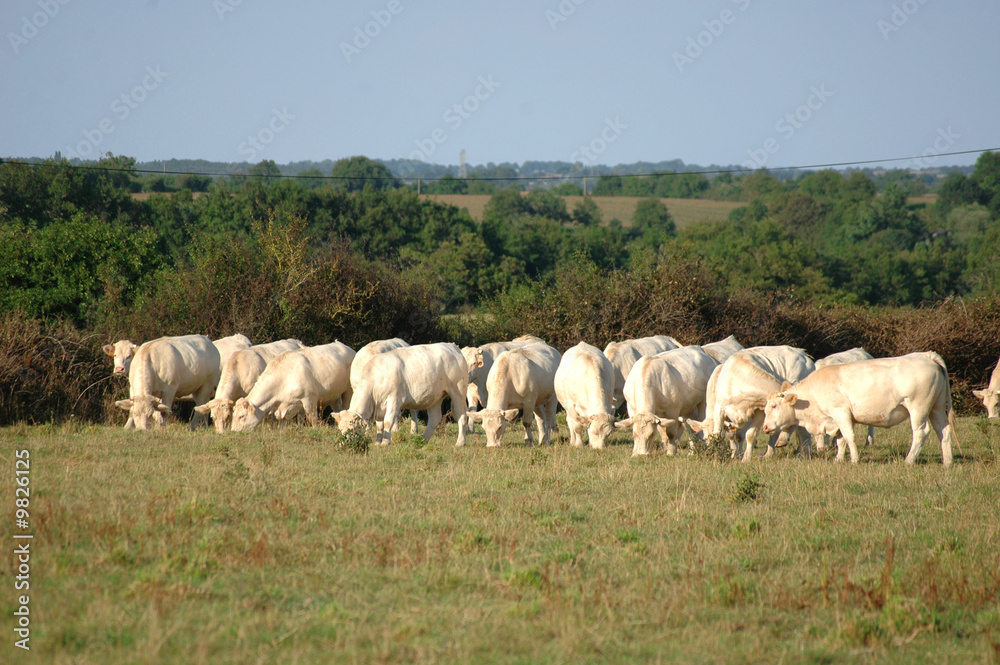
<point>951,410</point>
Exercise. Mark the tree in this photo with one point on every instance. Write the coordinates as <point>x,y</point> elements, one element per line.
<point>586,212</point>
<point>356,173</point>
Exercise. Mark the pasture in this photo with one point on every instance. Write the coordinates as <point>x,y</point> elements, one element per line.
<point>283,546</point>
<point>685,212</point>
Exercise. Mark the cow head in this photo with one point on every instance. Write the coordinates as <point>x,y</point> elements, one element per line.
<point>246,416</point>
<point>644,431</point>
<point>779,412</point>
<point>494,422</point>
<point>145,411</point>
<point>349,420</point>
<point>122,352</point>
<point>221,411</point>
<point>601,424</point>
<point>990,399</point>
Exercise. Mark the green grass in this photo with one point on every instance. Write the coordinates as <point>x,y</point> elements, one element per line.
<point>284,546</point>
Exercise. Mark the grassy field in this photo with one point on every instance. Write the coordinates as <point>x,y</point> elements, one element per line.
<point>684,211</point>
<point>282,546</point>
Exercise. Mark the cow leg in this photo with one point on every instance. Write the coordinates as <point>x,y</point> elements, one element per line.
<point>548,412</point>
<point>527,413</point>
<point>943,426</point>
<point>846,425</point>
<point>433,420</point>
<point>921,428</point>
<point>751,434</point>
<point>389,423</point>
<point>575,430</point>
<point>870,439</point>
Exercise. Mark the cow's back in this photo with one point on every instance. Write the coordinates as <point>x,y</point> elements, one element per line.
<point>721,350</point>
<point>849,356</point>
<point>187,363</point>
<point>670,383</point>
<point>585,379</point>
<point>366,352</point>
<point>522,371</point>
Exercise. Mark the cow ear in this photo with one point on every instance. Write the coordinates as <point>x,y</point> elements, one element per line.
<point>979,393</point>
<point>624,424</point>
<point>337,416</point>
<point>203,409</point>
<point>665,422</point>
<point>125,404</point>
<point>162,408</point>
<point>791,399</point>
<point>695,425</point>
<point>510,414</point>
<point>109,350</point>
<point>476,416</point>
<point>479,358</point>
<point>785,385</point>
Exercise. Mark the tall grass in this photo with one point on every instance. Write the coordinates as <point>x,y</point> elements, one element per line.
<point>284,546</point>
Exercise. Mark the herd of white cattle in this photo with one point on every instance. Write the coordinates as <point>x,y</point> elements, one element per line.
<point>718,389</point>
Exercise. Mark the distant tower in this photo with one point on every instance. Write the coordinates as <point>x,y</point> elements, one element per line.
<point>461,165</point>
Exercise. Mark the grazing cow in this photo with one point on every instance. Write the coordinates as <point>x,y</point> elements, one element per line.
<point>585,385</point>
<point>624,354</point>
<point>882,392</point>
<point>523,377</point>
<point>990,394</point>
<point>306,379</point>
<point>366,352</point>
<point>227,346</point>
<point>480,360</point>
<point>663,390</point>
<point>239,374</point>
<point>849,356</point>
<point>164,368</point>
<point>741,388</point>
<point>722,349</point>
<point>411,377</point>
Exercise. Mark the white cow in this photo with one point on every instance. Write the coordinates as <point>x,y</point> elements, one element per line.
<point>521,378</point>
<point>990,394</point>
<point>585,385</point>
<point>306,379</point>
<point>366,352</point>
<point>882,392</point>
<point>624,354</point>
<point>480,360</point>
<point>849,356</point>
<point>167,367</point>
<point>239,374</point>
<point>124,350</point>
<point>227,346</point>
<point>722,349</point>
<point>741,389</point>
<point>415,377</point>
<point>663,390</point>
<point>122,353</point>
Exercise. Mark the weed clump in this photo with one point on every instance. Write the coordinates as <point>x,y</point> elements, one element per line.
<point>355,441</point>
<point>747,489</point>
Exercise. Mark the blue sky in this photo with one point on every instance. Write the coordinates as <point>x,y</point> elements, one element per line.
<point>777,83</point>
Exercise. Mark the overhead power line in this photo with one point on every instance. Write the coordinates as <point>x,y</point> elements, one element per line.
<point>95,167</point>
